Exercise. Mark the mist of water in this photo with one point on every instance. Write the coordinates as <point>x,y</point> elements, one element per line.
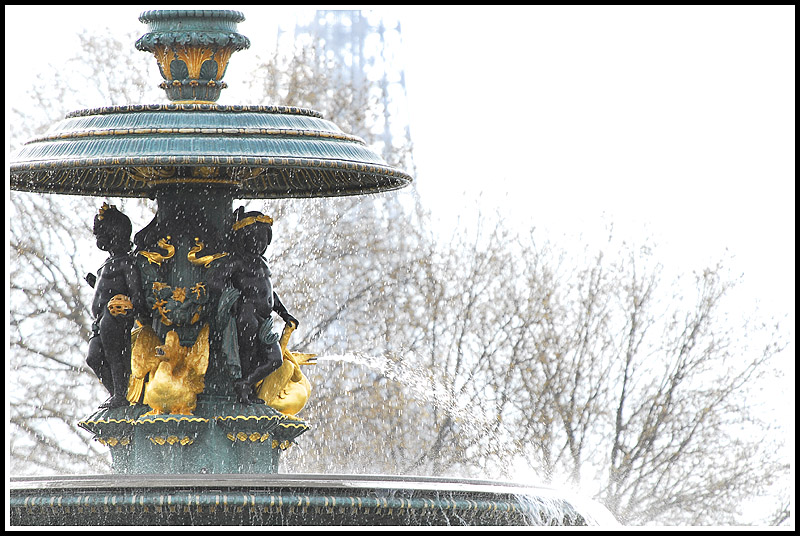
<point>421,385</point>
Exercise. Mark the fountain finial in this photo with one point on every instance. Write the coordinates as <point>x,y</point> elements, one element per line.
<point>192,47</point>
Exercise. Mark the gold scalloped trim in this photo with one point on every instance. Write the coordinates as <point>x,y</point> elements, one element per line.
<point>246,418</point>
<point>282,417</point>
<point>260,438</point>
<point>292,425</point>
<point>253,437</point>
<point>149,419</point>
<point>152,419</point>
<point>114,441</point>
<point>158,418</point>
<point>108,421</point>
<point>171,440</point>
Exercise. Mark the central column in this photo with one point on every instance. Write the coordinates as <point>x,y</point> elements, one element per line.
<point>180,254</point>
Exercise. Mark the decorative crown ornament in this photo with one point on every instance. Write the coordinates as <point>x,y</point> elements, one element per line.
<point>102,211</point>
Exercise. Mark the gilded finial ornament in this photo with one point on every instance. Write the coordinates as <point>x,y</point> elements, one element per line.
<point>193,57</point>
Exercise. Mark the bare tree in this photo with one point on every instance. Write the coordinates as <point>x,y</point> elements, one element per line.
<point>597,370</point>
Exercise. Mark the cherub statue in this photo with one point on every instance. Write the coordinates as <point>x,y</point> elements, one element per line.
<point>247,272</point>
<point>118,298</point>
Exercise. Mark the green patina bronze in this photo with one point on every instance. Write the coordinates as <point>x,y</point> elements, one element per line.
<point>250,151</point>
<point>222,437</point>
<point>195,158</point>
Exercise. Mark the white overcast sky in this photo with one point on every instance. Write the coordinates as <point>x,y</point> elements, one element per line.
<point>676,122</point>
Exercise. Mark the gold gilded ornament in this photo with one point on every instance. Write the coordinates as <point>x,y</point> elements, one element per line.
<point>179,376</point>
<point>102,210</point>
<point>251,220</point>
<point>119,305</point>
<point>194,58</point>
<point>287,389</point>
<point>158,258</point>
<point>159,306</point>
<point>202,261</point>
<point>222,56</point>
<point>164,57</point>
<point>179,294</point>
<point>199,290</point>
<point>143,360</point>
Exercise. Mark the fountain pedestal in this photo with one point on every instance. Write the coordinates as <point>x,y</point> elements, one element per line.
<point>222,436</point>
<point>195,157</point>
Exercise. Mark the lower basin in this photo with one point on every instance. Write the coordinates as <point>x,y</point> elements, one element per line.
<point>284,499</point>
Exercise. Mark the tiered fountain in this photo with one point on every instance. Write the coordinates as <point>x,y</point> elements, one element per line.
<point>203,394</point>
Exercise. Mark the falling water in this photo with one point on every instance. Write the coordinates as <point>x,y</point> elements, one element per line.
<point>422,385</point>
<point>547,506</point>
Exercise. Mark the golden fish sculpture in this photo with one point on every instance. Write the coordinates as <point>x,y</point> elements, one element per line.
<point>176,373</point>
<point>157,258</point>
<point>204,261</point>
<point>287,389</point>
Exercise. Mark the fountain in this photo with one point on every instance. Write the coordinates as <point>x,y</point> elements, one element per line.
<point>204,395</point>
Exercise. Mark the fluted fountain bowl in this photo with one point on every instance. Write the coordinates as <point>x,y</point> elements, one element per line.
<point>300,499</point>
